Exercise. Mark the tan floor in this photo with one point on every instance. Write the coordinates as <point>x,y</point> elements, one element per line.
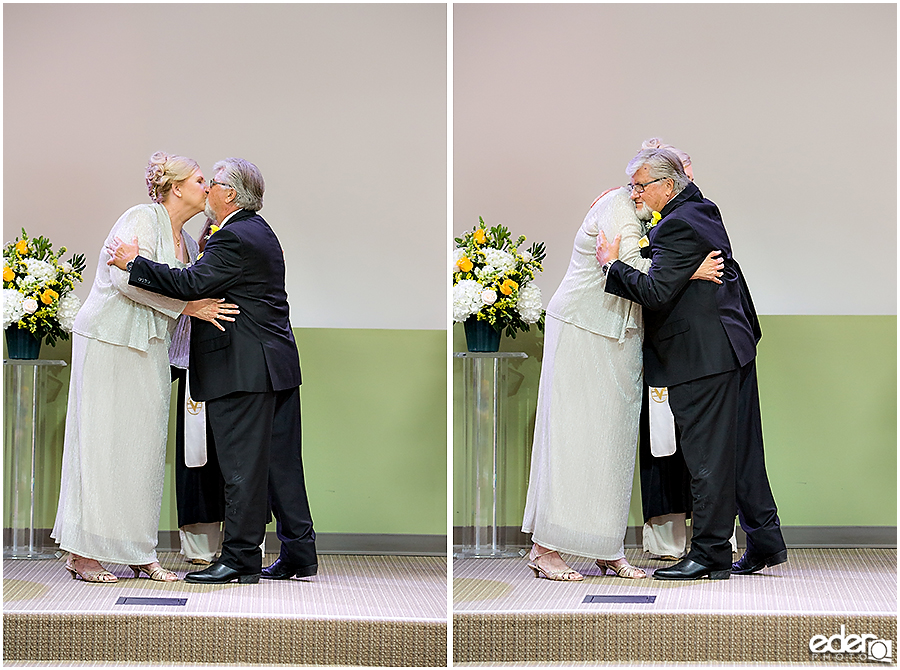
<point>813,581</point>
<point>351,587</point>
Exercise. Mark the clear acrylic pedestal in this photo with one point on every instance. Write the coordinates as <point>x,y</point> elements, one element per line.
<point>485,472</point>
<point>24,442</point>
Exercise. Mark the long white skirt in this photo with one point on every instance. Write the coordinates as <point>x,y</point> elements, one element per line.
<point>114,454</point>
<point>585,441</point>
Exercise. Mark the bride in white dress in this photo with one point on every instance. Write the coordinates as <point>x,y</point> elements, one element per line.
<point>589,403</point>
<point>118,411</point>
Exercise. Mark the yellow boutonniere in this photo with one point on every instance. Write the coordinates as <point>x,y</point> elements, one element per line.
<point>643,242</point>
<point>654,218</point>
<point>214,229</point>
<point>200,255</point>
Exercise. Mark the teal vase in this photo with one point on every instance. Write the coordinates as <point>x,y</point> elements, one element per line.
<point>481,336</point>
<point>21,344</point>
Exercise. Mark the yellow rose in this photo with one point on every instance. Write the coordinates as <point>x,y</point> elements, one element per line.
<point>479,236</point>
<point>508,286</point>
<point>464,264</point>
<point>654,218</point>
<point>48,296</point>
<point>8,274</point>
<point>213,229</point>
<point>22,247</point>
<point>643,242</point>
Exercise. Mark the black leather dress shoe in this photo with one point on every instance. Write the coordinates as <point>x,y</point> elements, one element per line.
<point>687,569</point>
<point>752,562</point>
<point>284,570</point>
<point>218,573</point>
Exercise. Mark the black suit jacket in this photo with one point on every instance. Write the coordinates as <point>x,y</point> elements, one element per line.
<point>243,262</point>
<point>691,328</point>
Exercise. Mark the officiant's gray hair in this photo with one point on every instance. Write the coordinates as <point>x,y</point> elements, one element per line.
<point>245,178</point>
<point>661,163</point>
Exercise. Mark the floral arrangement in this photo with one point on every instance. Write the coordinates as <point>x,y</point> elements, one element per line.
<point>37,288</point>
<point>491,280</point>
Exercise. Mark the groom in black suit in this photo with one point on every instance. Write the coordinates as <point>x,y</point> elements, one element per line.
<point>249,376</point>
<point>700,341</point>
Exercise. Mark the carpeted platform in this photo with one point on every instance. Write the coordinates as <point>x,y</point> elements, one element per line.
<point>502,614</point>
<point>359,610</point>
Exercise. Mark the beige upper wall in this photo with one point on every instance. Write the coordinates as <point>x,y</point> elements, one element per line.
<point>342,107</point>
<point>788,111</point>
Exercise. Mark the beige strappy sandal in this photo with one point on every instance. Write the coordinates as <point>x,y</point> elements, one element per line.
<point>100,576</point>
<point>624,570</point>
<point>564,575</point>
<point>155,572</point>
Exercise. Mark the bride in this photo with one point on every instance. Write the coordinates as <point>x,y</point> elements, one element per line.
<point>117,419</point>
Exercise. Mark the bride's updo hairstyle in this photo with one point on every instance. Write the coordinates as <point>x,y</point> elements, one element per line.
<point>164,171</point>
<point>656,143</point>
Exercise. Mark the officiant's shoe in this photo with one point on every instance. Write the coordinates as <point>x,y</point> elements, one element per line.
<point>686,569</point>
<point>285,570</point>
<point>219,573</point>
<point>753,562</point>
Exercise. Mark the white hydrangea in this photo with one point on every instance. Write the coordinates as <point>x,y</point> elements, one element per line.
<point>69,305</point>
<point>529,304</point>
<point>13,309</point>
<point>499,260</point>
<point>39,271</point>
<point>466,299</point>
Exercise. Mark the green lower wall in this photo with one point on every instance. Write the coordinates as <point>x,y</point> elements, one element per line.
<point>828,391</point>
<point>374,413</point>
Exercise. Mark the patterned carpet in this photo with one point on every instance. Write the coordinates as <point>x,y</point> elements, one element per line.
<point>359,610</point>
<point>502,614</point>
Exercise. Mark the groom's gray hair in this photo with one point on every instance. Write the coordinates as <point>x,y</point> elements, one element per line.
<point>661,163</point>
<point>245,178</point>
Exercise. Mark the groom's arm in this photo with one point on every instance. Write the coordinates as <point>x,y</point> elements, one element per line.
<point>210,277</point>
<point>675,254</point>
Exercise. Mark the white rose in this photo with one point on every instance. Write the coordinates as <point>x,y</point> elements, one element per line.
<point>527,257</point>
<point>488,297</point>
<point>29,305</point>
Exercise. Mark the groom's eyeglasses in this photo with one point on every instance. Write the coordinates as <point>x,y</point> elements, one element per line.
<point>213,182</point>
<point>637,186</point>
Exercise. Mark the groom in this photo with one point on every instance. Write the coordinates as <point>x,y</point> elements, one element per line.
<point>700,342</point>
<point>249,376</point>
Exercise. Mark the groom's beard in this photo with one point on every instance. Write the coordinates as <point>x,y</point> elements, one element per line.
<point>645,213</point>
<point>209,213</point>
